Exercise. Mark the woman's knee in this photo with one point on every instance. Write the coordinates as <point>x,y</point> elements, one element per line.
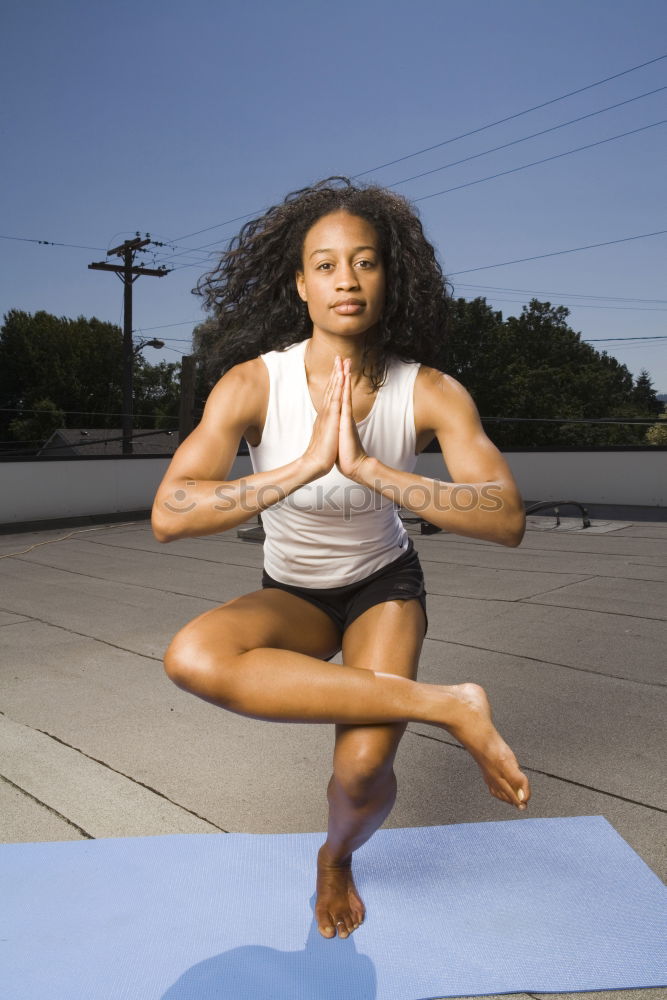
<point>177,661</point>
<point>189,659</point>
<point>364,768</point>
<point>180,661</point>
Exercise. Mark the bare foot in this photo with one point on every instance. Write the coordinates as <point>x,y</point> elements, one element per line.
<point>338,907</point>
<point>474,728</point>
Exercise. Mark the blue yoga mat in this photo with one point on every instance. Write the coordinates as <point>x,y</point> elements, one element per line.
<point>541,905</point>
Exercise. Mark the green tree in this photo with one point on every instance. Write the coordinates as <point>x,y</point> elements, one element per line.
<point>535,366</point>
<point>157,394</point>
<point>471,347</point>
<point>644,396</point>
<point>75,363</point>
<point>33,430</point>
<point>657,433</point>
<point>73,367</point>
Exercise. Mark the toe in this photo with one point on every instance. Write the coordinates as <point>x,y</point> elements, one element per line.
<point>325,922</point>
<point>520,790</point>
<point>341,928</point>
<point>501,796</point>
<point>357,909</point>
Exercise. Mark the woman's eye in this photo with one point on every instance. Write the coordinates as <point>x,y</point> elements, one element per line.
<point>364,263</point>
<point>324,265</point>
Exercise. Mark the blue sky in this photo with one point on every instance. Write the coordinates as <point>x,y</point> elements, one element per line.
<point>170,118</point>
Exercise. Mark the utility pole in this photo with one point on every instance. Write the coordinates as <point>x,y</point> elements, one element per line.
<point>128,274</point>
<point>186,416</point>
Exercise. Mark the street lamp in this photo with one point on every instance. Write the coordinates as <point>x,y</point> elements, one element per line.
<point>147,343</point>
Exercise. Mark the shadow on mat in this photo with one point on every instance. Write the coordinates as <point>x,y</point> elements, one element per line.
<point>324,970</point>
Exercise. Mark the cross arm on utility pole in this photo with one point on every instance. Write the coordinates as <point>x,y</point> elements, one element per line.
<point>130,245</point>
<point>158,272</point>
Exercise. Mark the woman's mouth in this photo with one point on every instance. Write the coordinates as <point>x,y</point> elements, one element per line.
<point>348,307</point>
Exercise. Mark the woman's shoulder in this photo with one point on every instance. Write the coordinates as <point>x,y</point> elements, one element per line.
<point>440,397</point>
<point>246,373</point>
<point>433,380</point>
<point>240,398</point>
<point>253,374</point>
<point>246,382</point>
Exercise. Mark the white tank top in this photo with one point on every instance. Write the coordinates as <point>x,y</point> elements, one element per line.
<point>332,531</point>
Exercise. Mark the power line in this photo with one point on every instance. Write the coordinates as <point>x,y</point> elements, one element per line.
<point>165,326</point>
<point>546,159</point>
<point>501,173</point>
<point>464,135</point>
<point>522,260</point>
<point>556,253</point>
<point>400,159</point>
<point>641,421</point>
<point>183,251</point>
<point>51,243</point>
<point>571,295</point>
<point>78,413</point>
<point>605,340</point>
<point>176,350</point>
<point>459,187</point>
<point>218,225</point>
<point>501,121</point>
<point>182,267</point>
<point>485,267</point>
<point>588,305</point>
<point>525,138</point>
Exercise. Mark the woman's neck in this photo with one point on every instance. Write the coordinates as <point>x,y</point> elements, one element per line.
<point>322,349</point>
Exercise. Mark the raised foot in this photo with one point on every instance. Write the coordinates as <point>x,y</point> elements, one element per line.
<point>338,907</point>
<point>469,720</point>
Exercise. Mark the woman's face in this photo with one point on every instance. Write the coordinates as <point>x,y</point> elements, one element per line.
<point>343,278</point>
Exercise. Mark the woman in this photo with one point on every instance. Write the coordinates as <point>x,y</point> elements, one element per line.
<point>330,307</point>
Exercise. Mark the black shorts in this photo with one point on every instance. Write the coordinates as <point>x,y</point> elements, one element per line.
<point>401,579</point>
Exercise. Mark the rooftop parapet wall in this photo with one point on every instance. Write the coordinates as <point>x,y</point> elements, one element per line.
<point>43,490</point>
<point>624,477</point>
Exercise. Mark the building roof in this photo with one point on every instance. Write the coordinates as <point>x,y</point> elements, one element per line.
<point>108,441</point>
<point>566,633</point>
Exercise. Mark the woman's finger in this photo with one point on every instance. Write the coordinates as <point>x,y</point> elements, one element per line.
<point>331,384</point>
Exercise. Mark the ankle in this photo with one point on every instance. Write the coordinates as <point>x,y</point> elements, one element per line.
<point>449,707</point>
<point>334,857</point>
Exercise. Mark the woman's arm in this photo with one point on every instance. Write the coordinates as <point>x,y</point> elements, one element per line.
<point>482,501</point>
<point>195,498</point>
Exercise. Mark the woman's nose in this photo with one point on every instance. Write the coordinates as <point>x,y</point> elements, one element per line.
<point>347,277</point>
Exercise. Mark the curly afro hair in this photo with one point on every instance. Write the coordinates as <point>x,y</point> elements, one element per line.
<point>252,294</point>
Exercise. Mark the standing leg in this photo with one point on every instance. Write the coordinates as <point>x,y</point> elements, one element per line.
<point>362,789</point>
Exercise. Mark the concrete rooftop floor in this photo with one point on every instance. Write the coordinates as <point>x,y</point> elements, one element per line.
<point>567,634</point>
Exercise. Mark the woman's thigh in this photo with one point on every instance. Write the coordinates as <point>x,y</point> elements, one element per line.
<point>264,618</point>
<point>388,639</point>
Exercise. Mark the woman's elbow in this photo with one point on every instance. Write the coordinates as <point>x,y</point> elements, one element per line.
<point>514,529</point>
<point>160,527</point>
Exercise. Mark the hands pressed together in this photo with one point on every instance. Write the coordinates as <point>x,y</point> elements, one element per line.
<point>335,439</point>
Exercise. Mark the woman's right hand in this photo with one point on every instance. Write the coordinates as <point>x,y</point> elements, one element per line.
<point>322,449</point>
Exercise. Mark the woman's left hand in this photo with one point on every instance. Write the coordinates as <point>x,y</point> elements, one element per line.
<point>351,454</point>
